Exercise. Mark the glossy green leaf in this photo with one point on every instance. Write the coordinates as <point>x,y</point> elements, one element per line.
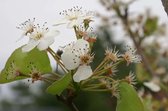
<point>23,64</point>
<point>128,99</point>
<point>59,86</point>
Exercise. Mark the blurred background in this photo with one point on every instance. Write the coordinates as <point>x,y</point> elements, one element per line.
<point>150,15</point>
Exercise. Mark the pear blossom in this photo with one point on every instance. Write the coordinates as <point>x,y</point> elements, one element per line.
<point>131,78</point>
<point>41,37</point>
<point>130,56</point>
<point>27,27</point>
<point>74,17</point>
<point>35,75</point>
<point>112,54</point>
<point>76,55</point>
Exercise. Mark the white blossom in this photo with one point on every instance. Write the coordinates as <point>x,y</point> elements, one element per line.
<point>75,56</point>
<point>74,17</point>
<point>41,37</point>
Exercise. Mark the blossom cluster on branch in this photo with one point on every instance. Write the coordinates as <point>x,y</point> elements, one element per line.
<point>76,58</point>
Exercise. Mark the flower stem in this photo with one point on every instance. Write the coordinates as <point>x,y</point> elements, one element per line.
<point>76,33</point>
<point>95,85</point>
<point>57,58</point>
<point>100,65</point>
<point>97,90</point>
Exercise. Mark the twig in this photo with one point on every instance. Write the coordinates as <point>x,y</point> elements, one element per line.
<point>56,57</point>
<point>145,61</point>
<point>68,102</point>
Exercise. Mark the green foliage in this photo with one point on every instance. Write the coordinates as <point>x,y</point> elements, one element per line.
<point>150,26</point>
<point>142,75</point>
<point>20,65</point>
<point>128,99</point>
<point>58,86</point>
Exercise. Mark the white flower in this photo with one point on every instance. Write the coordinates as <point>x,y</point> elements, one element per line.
<point>75,56</point>
<point>73,17</point>
<point>41,37</point>
<point>27,27</point>
<point>152,86</point>
<point>131,57</point>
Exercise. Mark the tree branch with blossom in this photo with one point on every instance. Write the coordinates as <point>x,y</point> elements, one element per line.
<point>32,61</point>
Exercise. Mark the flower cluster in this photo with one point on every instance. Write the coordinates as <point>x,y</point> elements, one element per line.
<point>76,57</point>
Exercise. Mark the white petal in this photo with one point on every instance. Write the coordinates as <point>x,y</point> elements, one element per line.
<point>45,43</point>
<point>81,45</point>
<point>60,22</point>
<point>51,33</point>
<point>75,22</point>
<point>70,60</point>
<point>21,37</point>
<point>83,72</point>
<point>152,86</point>
<point>69,46</point>
<point>72,23</point>
<point>31,44</point>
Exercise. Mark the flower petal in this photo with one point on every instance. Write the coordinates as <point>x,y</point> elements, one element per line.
<point>75,22</point>
<point>72,23</point>
<point>45,43</point>
<point>60,22</point>
<point>81,45</point>
<point>69,46</point>
<point>83,72</point>
<point>152,86</point>
<point>70,60</point>
<point>52,33</point>
<point>21,37</point>
<point>31,44</point>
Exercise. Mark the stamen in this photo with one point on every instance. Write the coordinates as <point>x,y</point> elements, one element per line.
<point>27,26</point>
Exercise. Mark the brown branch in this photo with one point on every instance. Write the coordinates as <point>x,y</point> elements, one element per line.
<point>165,4</point>
<point>139,50</point>
<point>68,102</point>
<point>124,19</point>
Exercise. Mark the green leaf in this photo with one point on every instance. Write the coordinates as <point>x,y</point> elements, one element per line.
<point>150,26</point>
<point>141,73</point>
<point>128,99</point>
<point>21,64</point>
<point>58,86</point>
